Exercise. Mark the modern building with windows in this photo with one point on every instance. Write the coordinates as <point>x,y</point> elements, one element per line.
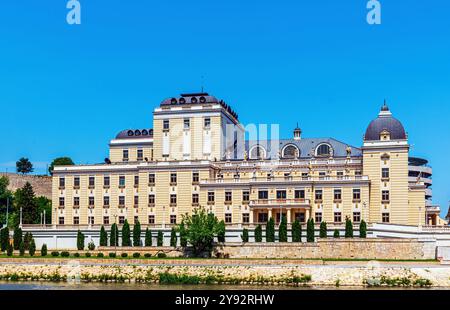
<point>196,155</point>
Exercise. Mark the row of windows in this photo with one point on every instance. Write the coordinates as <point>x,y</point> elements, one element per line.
<point>139,155</point>
<point>337,194</point>
<point>121,220</point>
<point>187,123</point>
<point>300,216</point>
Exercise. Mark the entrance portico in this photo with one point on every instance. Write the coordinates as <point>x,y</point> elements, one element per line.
<point>293,209</point>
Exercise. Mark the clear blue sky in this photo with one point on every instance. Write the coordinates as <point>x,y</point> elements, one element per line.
<point>67,90</point>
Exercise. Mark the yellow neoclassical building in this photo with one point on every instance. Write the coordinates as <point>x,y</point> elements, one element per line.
<point>196,155</point>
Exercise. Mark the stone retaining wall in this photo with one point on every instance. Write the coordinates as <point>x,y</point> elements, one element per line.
<point>42,185</point>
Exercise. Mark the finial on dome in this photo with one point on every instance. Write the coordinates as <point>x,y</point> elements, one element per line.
<point>385,106</point>
<point>297,133</point>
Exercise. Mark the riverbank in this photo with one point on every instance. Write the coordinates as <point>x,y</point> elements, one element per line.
<point>230,272</point>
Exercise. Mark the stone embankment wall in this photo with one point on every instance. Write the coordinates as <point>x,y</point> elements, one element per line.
<point>343,248</point>
<point>42,185</point>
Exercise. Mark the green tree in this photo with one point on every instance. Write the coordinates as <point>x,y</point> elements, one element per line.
<point>282,230</point>
<point>6,197</point>
<point>17,237</point>
<point>296,231</point>
<point>80,240</point>
<point>114,236</point>
<point>25,199</point>
<point>60,161</point>
<point>348,228</point>
<point>362,229</point>
<point>336,233</point>
<point>32,248</point>
<point>221,231</point>
<point>4,239</point>
<point>43,204</point>
<point>323,230</point>
<point>9,250</point>
<point>24,166</point>
<point>244,235</point>
<point>270,230</point>
<point>160,239</point>
<point>258,233</point>
<point>148,237</point>
<point>103,237</point>
<point>126,234</point>
<point>137,234</point>
<point>22,249</point>
<point>310,231</point>
<point>173,237</point>
<point>201,228</point>
<point>183,237</point>
<point>44,250</point>
<point>27,240</point>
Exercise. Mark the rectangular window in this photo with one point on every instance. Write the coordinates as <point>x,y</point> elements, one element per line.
<point>173,219</point>
<point>195,199</point>
<point>166,124</point>
<point>124,155</point>
<point>263,195</point>
<point>210,197</point>
<point>385,217</point>
<point>245,218</point>
<point>318,195</point>
<point>195,178</point>
<point>151,179</point>
<point>281,194</point>
<point>245,196</point>
<point>136,201</point>
<point>91,201</point>
<point>121,201</point>
<point>122,181</point>
<point>340,175</point>
<point>91,182</point>
<point>91,220</point>
<point>173,199</point>
<point>151,200</point>
<point>305,175</point>
<point>106,181</point>
<point>337,195</point>
<point>186,123</point>
<point>76,201</point>
<point>136,181</point>
<point>385,196</point>
<point>385,173</point>
<point>358,173</point>
<point>228,196</point>
<point>337,217</point>
<point>228,218</point>
<point>62,182</point>
<point>318,217</point>
<point>76,182</point>
<point>299,194</point>
<point>299,216</point>
<point>61,220</point>
<point>356,194</point>
<point>151,219</point>
<point>207,123</point>
<point>121,219</point>
<point>140,154</point>
<point>106,220</point>
<point>106,201</point>
<point>356,217</point>
<point>76,220</point>
<point>173,178</point>
<point>61,201</point>
<point>263,217</point>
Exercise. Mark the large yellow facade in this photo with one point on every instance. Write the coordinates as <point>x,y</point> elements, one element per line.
<point>196,156</point>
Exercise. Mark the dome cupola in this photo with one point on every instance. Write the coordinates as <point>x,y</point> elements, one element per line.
<point>385,127</point>
<point>297,133</point>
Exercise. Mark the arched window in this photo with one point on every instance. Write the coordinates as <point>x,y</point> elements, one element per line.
<point>257,152</point>
<point>291,151</point>
<point>324,150</point>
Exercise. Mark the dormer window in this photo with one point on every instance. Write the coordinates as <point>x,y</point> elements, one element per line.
<point>290,152</point>
<point>324,150</point>
<point>385,135</point>
<point>257,152</point>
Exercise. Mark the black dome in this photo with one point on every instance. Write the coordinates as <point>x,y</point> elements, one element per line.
<point>385,121</point>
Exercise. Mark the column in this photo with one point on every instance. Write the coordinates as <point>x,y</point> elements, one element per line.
<point>252,215</point>
<point>307,214</point>
<point>288,216</point>
<point>270,213</point>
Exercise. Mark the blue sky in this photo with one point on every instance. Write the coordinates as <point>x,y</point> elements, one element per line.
<point>68,89</point>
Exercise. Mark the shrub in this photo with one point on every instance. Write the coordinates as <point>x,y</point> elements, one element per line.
<point>88,254</point>
<point>282,230</point>
<point>91,246</point>
<point>173,237</point>
<point>126,234</point>
<point>22,249</point>
<point>80,241</point>
<point>221,231</point>
<point>17,238</point>
<point>160,239</point>
<point>27,240</point>
<point>100,255</point>
<point>296,231</point>
<point>112,255</point>
<point>32,247</point>
<point>362,229</point>
<point>65,254</point>
<point>258,233</point>
<point>270,231</point>
<point>348,228</point>
<point>55,253</point>
<point>183,237</point>
<point>336,233</point>
<point>147,255</point>
<point>310,230</point>
<point>76,255</point>
<point>136,255</point>
<point>4,239</point>
<point>137,234</point>
<point>124,255</point>
<point>162,255</point>
<point>9,250</point>
<point>244,235</point>
<point>114,236</point>
<point>44,250</point>
<point>103,237</point>
<point>323,230</point>
<point>148,237</point>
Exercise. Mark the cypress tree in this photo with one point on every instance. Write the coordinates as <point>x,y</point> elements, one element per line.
<point>137,234</point>
<point>244,235</point>
<point>80,241</point>
<point>221,231</point>
<point>362,229</point>
<point>323,230</point>
<point>148,237</point>
<point>114,238</point>
<point>44,250</point>
<point>17,237</point>
<point>103,237</point>
<point>183,237</point>
<point>22,249</point>
<point>4,239</point>
<point>9,250</point>
<point>296,231</point>
<point>32,247</point>
<point>282,230</point>
<point>160,239</point>
<point>270,231</point>
<point>27,240</point>
<point>336,233</point>
<point>258,233</point>
<point>126,234</point>
<point>310,230</point>
<point>348,228</point>
<point>173,238</point>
